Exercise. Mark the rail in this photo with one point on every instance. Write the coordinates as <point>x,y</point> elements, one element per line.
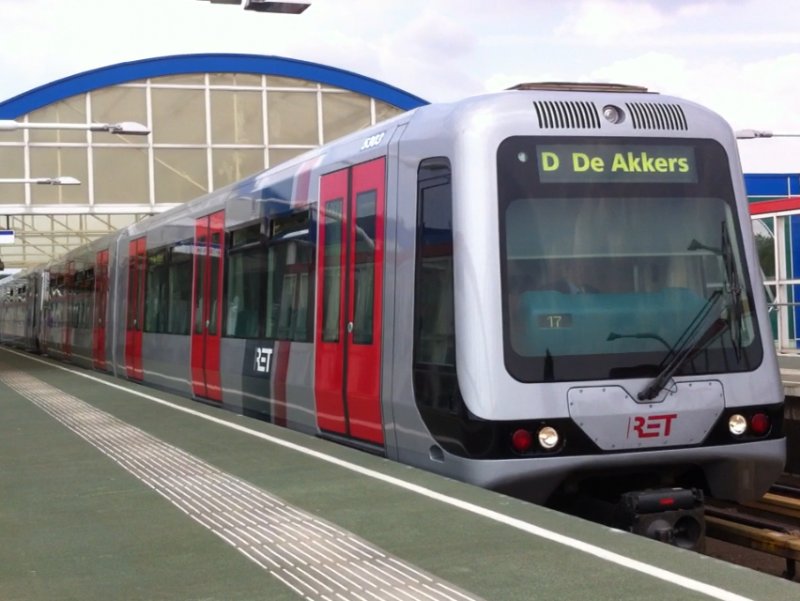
<point>770,525</point>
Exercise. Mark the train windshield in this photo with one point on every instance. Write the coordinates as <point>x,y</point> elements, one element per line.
<point>619,255</point>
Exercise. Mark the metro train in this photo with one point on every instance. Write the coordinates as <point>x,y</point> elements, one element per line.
<point>548,291</point>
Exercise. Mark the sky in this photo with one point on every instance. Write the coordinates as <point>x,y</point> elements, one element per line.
<point>740,58</point>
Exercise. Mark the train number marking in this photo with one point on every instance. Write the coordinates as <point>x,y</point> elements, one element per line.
<point>263,359</point>
<point>372,141</point>
<point>555,321</point>
<point>651,426</point>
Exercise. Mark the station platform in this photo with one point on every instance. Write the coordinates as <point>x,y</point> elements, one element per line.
<point>115,491</point>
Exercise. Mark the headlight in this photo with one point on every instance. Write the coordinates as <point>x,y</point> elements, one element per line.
<point>737,424</point>
<point>548,437</point>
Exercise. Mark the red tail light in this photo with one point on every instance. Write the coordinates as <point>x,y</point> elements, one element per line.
<point>760,424</point>
<point>521,440</point>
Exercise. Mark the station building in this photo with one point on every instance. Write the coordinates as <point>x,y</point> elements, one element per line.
<point>214,119</point>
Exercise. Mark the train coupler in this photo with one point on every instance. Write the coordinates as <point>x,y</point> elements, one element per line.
<point>671,515</point>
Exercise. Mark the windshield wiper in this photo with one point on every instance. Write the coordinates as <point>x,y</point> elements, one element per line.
<point>687,346</point>
<point>641,336</point>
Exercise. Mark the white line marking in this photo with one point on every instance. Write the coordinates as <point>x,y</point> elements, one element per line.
<point>573,543</point>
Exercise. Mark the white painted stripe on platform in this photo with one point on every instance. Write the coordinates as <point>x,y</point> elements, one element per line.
<point>685,582</point>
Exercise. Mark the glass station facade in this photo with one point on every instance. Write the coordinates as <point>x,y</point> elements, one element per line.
<point>214,119</point>
<point>775,211</point>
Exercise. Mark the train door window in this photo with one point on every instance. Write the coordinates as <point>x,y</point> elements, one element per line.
<point>332,268</point>
<point>133,288</point>
<point>199,282</point>
<point>364,271</point>
<point>137,273</point>
<point>214,296</point>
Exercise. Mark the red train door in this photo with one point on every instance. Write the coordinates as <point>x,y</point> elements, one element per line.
<point>350,281</point>
<point>137,264</point>
<point>209,254</point>
<point>100,305</point>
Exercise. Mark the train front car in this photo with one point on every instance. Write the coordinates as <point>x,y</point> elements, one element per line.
<point>609,339</point>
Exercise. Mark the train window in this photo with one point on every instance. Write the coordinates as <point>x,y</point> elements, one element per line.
<point>245,288</point>
<point>286,225</point>
<point>364,276</point>
<point>436,389</point>
<point>244,236</point>
<point>434,321</point>
<point>213,289</point>
<point>607,274</point>
<point>289,291</point>
<point>332,265</point>
<point>179,284</point>
<point>199,284</point>
<point>168,289</point>
<point>269,290</point>
<point>156,295</point>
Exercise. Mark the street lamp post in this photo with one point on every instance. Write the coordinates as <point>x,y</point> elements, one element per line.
<point>64,180</point>
<point>749,134</point>
<point>123,127</point>
<point>267,6</point>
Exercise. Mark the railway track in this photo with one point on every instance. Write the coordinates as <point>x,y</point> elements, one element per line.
<point>770,525</point>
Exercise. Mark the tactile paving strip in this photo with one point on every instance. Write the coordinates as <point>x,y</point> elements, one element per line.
<point>316,559</point>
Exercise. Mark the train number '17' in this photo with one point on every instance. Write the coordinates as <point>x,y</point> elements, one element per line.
<point>650,426</point>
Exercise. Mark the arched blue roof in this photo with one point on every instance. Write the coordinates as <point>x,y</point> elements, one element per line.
<point>204,63</point>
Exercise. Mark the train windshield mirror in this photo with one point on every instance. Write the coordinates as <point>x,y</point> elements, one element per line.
<point>604,278</point>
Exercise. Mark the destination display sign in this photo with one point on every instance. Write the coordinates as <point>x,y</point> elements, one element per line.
<point>616,163</point>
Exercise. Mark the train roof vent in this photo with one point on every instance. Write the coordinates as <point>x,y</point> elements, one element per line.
<point>655,115</point>
<point>572,114</point>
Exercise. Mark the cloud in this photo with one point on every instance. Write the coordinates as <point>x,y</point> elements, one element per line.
<point>606,21</point>
<point>759,94</point>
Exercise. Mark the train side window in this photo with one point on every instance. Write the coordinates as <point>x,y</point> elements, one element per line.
<point>244,289</point>
<point>289,291</point>
<point>269,287</point>
<point>290,269</point>
<point>84,284</point>
<point>156,296</point>
<point>435,381</point>
<point>168,289</point>
<point>179,287</point>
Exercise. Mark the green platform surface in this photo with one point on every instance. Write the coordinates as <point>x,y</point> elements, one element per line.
<point>74,525</point>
